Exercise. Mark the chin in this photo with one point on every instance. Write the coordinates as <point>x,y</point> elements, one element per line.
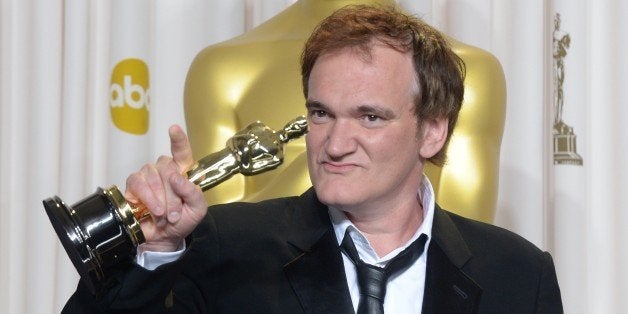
<point>334,196</point>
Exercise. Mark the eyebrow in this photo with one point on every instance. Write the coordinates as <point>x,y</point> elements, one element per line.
<point>377,110</point>
<point>314,104</point>
<point>362,109</point>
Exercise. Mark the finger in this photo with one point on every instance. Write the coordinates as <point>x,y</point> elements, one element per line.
<point>156,184</point>
<point>167,168</point>
<point>191,195</point>
<point>139,191</point>
<point>180,148</point>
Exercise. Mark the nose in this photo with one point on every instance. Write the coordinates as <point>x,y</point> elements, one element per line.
<point>341,139</point>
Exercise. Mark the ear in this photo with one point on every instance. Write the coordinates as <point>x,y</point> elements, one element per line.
<point>434,132</point>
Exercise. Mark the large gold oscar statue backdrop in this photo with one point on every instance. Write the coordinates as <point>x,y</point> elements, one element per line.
<point>256,76</point>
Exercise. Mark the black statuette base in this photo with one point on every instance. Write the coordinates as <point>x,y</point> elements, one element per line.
<point>93,235</point>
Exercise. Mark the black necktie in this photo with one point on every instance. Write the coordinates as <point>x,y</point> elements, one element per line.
<point>372,279</point>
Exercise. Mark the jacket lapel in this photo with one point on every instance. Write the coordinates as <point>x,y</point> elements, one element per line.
<point>447,288</point>
<point>316,273</point>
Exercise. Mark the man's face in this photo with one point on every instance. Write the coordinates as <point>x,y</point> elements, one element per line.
<point>364,147</point>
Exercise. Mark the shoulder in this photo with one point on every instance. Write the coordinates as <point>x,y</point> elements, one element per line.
<point>245,213</point>
<point>481,248</point>
<point>481,237</point>
<point>269,218</point>
<point>490,254</point>
<point>496,259</point>
<point>247,219</point>
<point>233,229</point>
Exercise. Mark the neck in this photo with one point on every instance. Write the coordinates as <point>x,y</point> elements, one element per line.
<point>389,229</point>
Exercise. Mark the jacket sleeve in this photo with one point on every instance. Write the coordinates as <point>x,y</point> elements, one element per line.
<point>136,289</point>
<point>167,288</point>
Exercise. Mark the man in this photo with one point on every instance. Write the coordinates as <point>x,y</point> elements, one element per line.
<point>383,91</point>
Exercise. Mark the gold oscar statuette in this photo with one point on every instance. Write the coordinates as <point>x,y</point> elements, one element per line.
<point>102,231</point>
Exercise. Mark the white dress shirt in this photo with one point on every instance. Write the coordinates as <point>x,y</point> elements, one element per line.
<point>404,292</point>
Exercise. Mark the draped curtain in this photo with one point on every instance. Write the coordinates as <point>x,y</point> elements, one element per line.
<point>60,61</point>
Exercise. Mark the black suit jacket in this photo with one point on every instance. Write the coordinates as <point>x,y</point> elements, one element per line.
<point>281,256</point>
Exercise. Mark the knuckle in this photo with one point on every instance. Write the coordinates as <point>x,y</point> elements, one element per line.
<point>163,159</point>
<point>133,179</point>
<point>145,168</point>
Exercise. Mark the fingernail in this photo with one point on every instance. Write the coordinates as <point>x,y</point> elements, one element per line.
<point>158,211</point>
<point>174,217</point>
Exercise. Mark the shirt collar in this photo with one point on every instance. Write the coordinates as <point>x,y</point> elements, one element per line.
<point>341,223</point>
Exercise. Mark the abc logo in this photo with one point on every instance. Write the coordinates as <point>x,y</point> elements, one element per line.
<point>129,96</point>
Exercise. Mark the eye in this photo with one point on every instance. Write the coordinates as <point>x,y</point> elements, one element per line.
<point>371,117</point>
<point>318,115</point>
<point>370,120</point>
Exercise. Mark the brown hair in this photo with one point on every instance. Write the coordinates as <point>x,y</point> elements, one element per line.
<point>439,70</point>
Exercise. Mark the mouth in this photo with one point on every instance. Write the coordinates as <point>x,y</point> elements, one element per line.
<point>338,167</point>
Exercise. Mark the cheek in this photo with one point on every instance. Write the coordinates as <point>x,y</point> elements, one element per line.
<point>312,145</point>
<point>315,137</point>
<point>392,145</point>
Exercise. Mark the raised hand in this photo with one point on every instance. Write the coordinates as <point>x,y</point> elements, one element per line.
<point>176,205</point>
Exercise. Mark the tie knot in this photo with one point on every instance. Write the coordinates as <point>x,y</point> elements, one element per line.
<point>372,281</point>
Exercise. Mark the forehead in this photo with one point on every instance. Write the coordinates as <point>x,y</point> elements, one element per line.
<point>352,75</point>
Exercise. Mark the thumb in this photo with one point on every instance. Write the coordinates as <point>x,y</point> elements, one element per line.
<point>180,148</point>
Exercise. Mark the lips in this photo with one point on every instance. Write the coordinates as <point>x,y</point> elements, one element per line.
<point>338,167</point>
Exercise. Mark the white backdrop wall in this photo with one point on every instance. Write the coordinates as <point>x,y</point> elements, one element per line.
<point>57,134</point>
